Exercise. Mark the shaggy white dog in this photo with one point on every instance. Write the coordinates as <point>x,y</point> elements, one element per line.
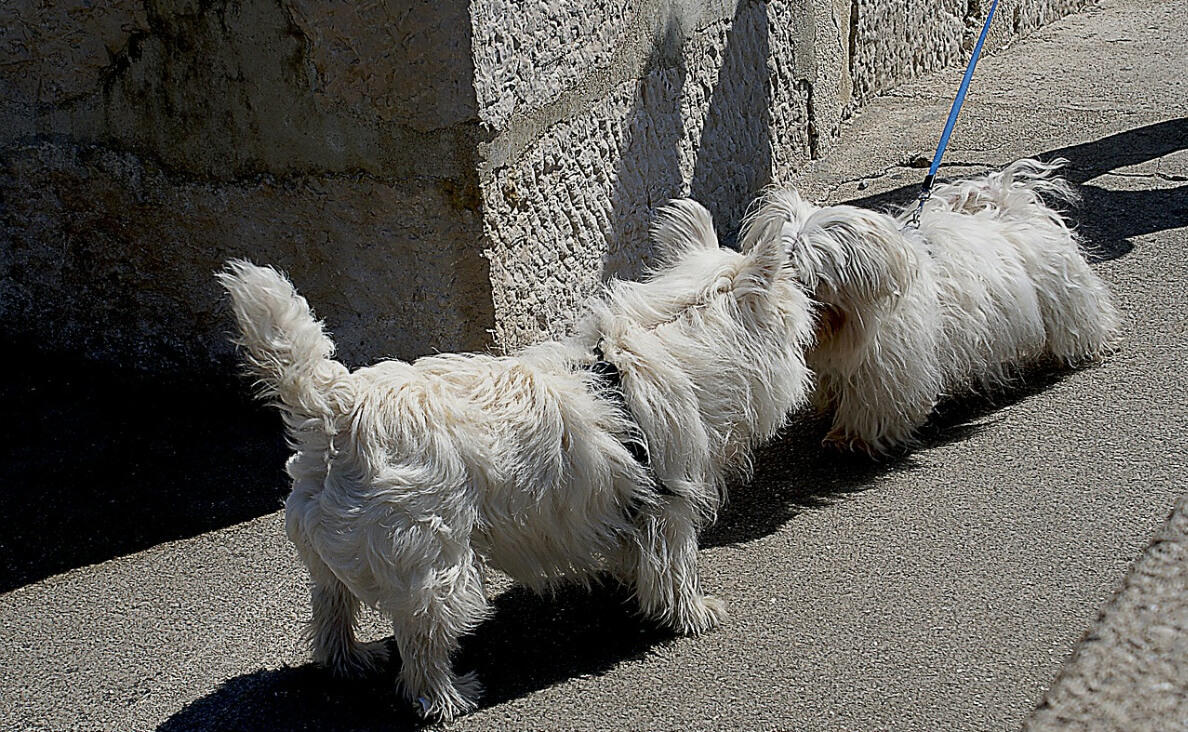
<point>993,278</point>
<point>604,453</point>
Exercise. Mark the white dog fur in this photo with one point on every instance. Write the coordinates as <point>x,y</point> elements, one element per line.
<point>409,479</point>
<point>992,279</point>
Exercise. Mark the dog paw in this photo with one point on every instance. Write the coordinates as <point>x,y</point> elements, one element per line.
<point>707,613</point>
<point>841,441</point>
<point>846,443</point>
<point>715,611</point>
<point>450,702</point>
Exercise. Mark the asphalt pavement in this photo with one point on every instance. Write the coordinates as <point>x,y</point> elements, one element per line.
<point>1027,567</point>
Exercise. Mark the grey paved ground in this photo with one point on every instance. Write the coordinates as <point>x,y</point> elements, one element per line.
<point>959,589</point>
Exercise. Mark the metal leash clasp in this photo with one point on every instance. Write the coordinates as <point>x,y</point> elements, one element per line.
<point>925,194</point>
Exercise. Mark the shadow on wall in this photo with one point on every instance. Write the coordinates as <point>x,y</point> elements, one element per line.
<point>1108,219</point>
<point>649,171</point>
<point>732,156</point>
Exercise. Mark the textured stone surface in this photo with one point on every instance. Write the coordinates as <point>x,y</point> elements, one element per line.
<point>575,208</point>
<point>529,53</point>
<point>554,219</point>
<point>107,257</point>
<point>142,146</point>
<point>410,61</point>
<point>896,40</point>
<point>482,166</point>
<point>55,52</point>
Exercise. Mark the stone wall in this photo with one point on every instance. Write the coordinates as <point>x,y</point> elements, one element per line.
<point>147,142</point>
<point>434,175</point>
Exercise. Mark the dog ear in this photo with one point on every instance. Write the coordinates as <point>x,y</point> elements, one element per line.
<point>855,253</point>
<point>779,213</point>
<point>763,263</point>
<point>682,226</point>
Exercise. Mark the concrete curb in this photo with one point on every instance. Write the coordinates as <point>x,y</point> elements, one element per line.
<point>1130,671</point>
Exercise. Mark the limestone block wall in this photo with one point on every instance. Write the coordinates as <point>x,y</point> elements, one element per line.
<point>706,99</point>
<point>895,40</point>
<point>684,107</point>
<point>144,143</point>
<point>434,175</point>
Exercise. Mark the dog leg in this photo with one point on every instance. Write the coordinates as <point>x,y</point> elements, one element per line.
<point>428,621</point>
<point>666,580</point>
<point>331,630</point>
<point>1080,320</point>
<point>885,394</point>
<point>875,420</point>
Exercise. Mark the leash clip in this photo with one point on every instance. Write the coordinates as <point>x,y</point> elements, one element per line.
<point>925,194</point>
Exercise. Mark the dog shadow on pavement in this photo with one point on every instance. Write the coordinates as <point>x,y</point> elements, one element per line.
<point>528,643</point>
<point>291,699</point>
<point>795,472</point>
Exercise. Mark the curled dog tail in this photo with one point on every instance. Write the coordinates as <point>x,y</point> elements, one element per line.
<point>1016,191</point>
<point>285,348</point>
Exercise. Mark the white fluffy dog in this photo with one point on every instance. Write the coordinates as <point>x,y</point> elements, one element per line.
<point>603,453</point>
<point>993,278</point>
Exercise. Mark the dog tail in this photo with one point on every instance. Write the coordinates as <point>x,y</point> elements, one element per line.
<point>1016,191</point>
<point>285,348</point>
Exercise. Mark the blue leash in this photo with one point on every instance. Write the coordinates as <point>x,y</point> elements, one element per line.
<point>926,189</point>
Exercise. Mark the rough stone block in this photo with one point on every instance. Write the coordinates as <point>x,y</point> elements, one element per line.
<point>435,175</point>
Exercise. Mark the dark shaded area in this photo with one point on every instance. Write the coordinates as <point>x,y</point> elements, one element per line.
<point>1122,149</point>
<point>793,473</point>
<point>301,699</point>
<point>527,644</point>
<point>796,472</point>
<point>531,642</point>
<point>96,461</point>
<point>1106,219</point>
